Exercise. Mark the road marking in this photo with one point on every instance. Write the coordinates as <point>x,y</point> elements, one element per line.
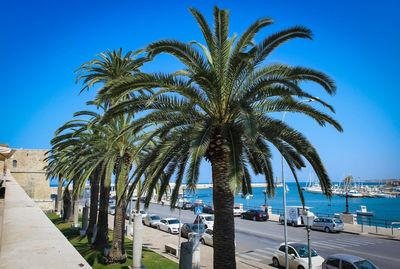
<point>331,244</point>
<point>262,252</point>
<point>344,243</point>
<point>323,245</point>
<point>357,241</point>
<point>272,249</point>
<point>246,256</point>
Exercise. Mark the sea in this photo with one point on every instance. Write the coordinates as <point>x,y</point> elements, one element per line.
<point>383,208</point>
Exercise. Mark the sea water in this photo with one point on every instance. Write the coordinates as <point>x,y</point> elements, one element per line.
<point>383,208</point>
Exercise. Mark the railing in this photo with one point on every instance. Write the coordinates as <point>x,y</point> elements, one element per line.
<point>361,220</point>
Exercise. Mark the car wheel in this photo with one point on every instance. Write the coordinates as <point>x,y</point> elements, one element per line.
<point>205,226</point>
<point>300,267</point>
<point>327,230</point>
<point>293,223</point>
<point>202,241</point>
<point>275,262</point>
<point>169,230</point>
<point>254,218</point>
<point>242,216</point>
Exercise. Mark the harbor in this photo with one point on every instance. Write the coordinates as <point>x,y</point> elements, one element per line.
<point>388,209</point>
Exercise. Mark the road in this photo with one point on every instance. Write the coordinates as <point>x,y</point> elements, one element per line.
<point>258,240</point>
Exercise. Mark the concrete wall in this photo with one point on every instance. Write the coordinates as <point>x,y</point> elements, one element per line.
<point>29,239</point>
<point>27,167</point>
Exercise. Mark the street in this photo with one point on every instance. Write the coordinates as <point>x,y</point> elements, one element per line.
<point>257,241</point>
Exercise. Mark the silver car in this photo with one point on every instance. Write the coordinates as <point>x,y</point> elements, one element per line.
<point>345,261</point>
<point>207,238</point>
<point>328,224</point>
<point>152,220</point>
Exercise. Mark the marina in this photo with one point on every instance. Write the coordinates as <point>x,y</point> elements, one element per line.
<point>383,208</point>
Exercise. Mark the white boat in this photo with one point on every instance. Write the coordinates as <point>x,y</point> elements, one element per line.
<point>316,188</point>
<point>364,212</point>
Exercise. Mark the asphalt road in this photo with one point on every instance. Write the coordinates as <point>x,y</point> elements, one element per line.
<point>258,240</point>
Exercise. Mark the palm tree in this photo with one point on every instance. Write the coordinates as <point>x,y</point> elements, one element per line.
<point>347,183</point>
<point>108,66</point>
<point>219,108</point>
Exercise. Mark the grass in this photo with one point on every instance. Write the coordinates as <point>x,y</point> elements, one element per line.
<point>96,259</point>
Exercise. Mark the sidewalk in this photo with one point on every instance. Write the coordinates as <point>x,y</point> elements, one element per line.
<point>29,239</point>
<point>381,232</point>
<point>156,241</point>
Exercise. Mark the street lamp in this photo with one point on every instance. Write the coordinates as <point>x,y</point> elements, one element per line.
<point>265,199</point>
<point>309,218</point>
<point>180,234</point>
<point>284,195</point>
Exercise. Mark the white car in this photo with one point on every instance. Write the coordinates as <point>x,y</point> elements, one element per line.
<point>207,237</point>
<point>297,257</point>
<point>237,211</point>
<point>206,219</point>
<point>171,225</point>
<point>142,212</point>
<point>111,209</point>
<point>152,220</point>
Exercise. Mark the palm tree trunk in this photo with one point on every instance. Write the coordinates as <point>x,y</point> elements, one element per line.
<point>76,210</point>
<point>117,252</point>
<point>94,199</point>
<point>101,240</point>
<point>224,225</point>
<point>67,207</point>
<point>59,195</point>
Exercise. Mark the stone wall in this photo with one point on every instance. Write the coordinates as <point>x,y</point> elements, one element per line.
<point>27,168</point>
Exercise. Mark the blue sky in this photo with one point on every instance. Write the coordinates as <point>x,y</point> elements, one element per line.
<point>355,42</point>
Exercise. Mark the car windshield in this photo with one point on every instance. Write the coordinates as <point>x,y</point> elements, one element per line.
<point>338,221</point>
<point>364,265</point>
<point>303,251</point>
<point>236,207</point>
<point>155,217</point>
<point>196,228</point>
<point>173,221</point>
<point>209,218</point>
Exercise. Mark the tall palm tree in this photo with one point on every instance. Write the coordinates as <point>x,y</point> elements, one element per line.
<point>347,183</point>
<point>108,66</point>
<point>220,108</point>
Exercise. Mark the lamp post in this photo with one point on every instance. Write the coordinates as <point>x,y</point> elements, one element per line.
<point>265,199</point>
<point>284,196</point>
<point>309,220</point>
<point>180,234</point>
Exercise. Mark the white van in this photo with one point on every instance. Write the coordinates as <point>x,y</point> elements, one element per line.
<point>294,215</point>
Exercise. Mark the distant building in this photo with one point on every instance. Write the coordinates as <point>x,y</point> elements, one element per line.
<point>27,167</point>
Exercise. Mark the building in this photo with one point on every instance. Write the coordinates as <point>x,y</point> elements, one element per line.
<point>27,167</point>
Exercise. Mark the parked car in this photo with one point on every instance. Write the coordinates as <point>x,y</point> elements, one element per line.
<point>237,211</point>
<point>152,220</point>
<point>187,205</point>
<point>142,212</point>
<point>255,214</point>
<point>111,209</point>
<point>207,237</point>
<point>345,261</point>
<point>171,225</point>
<point>297,257</point>
<point>206,220</point>
<point>328,224</point>
<point>194,205</point>
<point>191,228</point>
<point>209,209</point>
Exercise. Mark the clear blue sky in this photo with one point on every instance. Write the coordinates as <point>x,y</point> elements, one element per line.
<point>355,42</point>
